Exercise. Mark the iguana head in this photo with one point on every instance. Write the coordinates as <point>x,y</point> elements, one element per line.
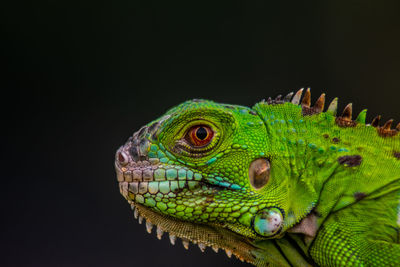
<point>233,177</point>
<point>208,173</point>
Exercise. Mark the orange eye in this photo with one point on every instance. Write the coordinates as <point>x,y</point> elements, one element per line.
<point>200,135</point>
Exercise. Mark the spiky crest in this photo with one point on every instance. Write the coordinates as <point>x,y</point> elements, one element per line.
<point>345,120</point>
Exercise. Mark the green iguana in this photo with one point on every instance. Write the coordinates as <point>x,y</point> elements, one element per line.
<point>280,184</point>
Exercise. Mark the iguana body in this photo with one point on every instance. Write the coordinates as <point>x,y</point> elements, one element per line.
<point>280,184</point>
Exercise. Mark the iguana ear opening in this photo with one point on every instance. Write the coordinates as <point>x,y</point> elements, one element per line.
<point>259,173</point>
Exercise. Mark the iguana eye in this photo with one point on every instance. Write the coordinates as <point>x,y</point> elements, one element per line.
<point>200,135</point>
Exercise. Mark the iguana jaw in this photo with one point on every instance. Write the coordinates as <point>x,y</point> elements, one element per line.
<point>215,235</point>
<point>138,178</point>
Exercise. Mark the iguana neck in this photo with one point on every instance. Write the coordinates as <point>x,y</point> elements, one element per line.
<point>330,166</point>
<point>324,160</point>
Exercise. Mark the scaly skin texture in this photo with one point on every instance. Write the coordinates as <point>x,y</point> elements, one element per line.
<point>279,184</point>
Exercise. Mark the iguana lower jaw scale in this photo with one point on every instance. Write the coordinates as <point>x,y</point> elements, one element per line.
<point>201,235</point>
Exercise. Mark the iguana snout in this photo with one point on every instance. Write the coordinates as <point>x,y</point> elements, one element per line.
<point>146,173</point>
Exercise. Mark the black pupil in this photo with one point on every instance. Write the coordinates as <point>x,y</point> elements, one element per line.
<point>201,133</point>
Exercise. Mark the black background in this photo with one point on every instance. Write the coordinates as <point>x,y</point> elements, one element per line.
<point>80,77</point>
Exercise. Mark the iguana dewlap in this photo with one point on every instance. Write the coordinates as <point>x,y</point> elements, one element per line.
<point>280,184</point>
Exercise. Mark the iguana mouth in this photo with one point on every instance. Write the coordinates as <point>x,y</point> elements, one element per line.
<point>137,179</point>
<point>141,177</point>
<point>151,178</point>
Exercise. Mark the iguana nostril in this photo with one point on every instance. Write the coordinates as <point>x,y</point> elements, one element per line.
<point>259,173</point>
<point>122,158</point>
<point>268,222</point>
